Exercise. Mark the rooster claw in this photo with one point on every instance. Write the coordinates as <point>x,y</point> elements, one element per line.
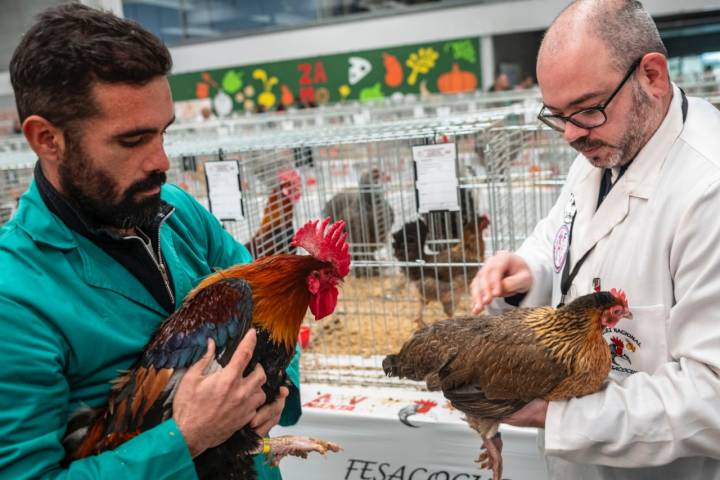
<point>296,446</point>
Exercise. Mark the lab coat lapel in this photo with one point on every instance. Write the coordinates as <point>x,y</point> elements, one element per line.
<point>590,225</point>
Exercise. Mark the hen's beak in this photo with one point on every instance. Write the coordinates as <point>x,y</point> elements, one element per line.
<point>628,314</point>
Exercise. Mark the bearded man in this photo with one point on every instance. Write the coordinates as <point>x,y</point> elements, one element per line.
<point>100,252</point>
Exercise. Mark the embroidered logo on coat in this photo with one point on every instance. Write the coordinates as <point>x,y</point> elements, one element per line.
<point>617,347</point>
<point>622,345</point>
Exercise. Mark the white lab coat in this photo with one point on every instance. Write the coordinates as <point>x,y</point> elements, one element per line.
<point>657,237</point>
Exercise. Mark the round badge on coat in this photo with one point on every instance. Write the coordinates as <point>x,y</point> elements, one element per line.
<point>560,246</point>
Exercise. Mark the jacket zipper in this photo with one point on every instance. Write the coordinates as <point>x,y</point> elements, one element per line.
<point>158,261</point>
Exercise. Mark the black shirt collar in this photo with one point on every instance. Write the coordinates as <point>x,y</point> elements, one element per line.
<point>64,209</point>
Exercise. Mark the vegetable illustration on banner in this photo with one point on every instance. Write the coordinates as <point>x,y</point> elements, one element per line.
<point>393,70</point>
<point>456,81</point>
<point>359,68</point>
<point>461,50</point>
<point>267,98</point>
<point>420,62</point>
<point>448,66</point>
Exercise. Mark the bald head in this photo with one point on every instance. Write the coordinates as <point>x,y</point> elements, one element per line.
<point>623,29</point>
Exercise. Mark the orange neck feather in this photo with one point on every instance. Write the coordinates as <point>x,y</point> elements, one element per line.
<point>280,294</point>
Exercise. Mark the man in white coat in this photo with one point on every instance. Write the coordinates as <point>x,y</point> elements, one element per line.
<point>640,211</point>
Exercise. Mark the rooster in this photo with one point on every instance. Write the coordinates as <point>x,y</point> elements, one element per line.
<point>271,295</point>
<point>369,217</point>
<point>276,227</point>
<point>491,366</point>
<point>444,284</point>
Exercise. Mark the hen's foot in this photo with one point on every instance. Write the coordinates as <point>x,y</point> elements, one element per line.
<point>490,457</point>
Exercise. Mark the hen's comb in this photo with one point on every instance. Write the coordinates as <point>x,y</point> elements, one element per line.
<point>291,176</point>
<point>288,175</point>
<point>620,295</point>
<point>327,246</point>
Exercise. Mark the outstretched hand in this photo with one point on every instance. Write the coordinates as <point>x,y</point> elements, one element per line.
<point>502,275</point>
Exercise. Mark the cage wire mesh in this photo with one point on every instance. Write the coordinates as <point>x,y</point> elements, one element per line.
<point>355,162</point>
<point>407,267</point>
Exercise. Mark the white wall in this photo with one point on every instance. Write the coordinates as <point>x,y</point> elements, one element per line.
<point>441,24</point>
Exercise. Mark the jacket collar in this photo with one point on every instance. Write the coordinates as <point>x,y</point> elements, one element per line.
<point>99,269</point>
<point>640,180</point>
<point>40,224</point>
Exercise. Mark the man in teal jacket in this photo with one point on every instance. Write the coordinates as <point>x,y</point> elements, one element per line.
<point>99,253</point>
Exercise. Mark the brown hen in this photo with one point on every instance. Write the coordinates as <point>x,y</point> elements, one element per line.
<point>491,366</point>
<point>446,284</point>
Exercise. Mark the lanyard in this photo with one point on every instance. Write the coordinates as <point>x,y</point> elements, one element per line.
<point>567,275</point>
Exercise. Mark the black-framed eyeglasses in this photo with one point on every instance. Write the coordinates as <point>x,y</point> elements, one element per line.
<point>587,118</point>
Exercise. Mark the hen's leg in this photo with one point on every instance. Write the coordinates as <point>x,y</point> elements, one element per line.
<point>276,448</point>
<point>490,454</point>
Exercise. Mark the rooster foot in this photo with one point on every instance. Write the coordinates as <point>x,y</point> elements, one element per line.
<point>294,445</point>
<point>490,457</point>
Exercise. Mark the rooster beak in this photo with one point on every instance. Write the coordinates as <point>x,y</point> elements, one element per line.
<point>628,314</point>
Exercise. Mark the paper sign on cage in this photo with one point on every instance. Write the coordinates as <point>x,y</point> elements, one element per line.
<point>436,177</point>
<point>223,184</point>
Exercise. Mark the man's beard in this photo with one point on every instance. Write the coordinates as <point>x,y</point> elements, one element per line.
<point>97,197</point>
<point>642,117</point>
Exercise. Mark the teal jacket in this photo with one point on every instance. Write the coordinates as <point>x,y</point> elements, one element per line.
<point>71,318</point>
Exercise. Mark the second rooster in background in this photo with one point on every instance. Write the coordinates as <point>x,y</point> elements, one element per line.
<point>276,226</point>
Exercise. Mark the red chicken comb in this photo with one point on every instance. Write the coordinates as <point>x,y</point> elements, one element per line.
<point>620,296</point>
<point>290,177</point>
<point>327,246</point>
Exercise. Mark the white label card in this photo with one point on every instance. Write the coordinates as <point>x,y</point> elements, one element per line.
<point>437,182</point>
<point>224,189</point>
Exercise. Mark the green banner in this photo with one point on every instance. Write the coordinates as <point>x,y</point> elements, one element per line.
<point>447,67</point>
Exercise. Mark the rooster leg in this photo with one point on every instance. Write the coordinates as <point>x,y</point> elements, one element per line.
<point>277,448</point>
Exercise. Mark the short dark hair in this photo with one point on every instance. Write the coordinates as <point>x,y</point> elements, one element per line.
<point>71,46</point>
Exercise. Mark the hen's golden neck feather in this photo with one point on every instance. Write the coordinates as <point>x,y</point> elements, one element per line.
<point>566,332</point>
<point>279,290</point>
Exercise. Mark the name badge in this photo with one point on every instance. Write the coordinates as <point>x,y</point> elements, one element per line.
<point>560,246</point>
<point>562,237</point>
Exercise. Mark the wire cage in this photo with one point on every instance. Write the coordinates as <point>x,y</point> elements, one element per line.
<point>14,179</point>
<point>408,267</point>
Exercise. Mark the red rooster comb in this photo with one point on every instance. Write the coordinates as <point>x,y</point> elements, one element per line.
<point>620,296</point>
<point>327,246</point>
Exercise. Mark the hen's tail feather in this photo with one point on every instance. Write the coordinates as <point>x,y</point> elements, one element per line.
<point>390,366</point>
